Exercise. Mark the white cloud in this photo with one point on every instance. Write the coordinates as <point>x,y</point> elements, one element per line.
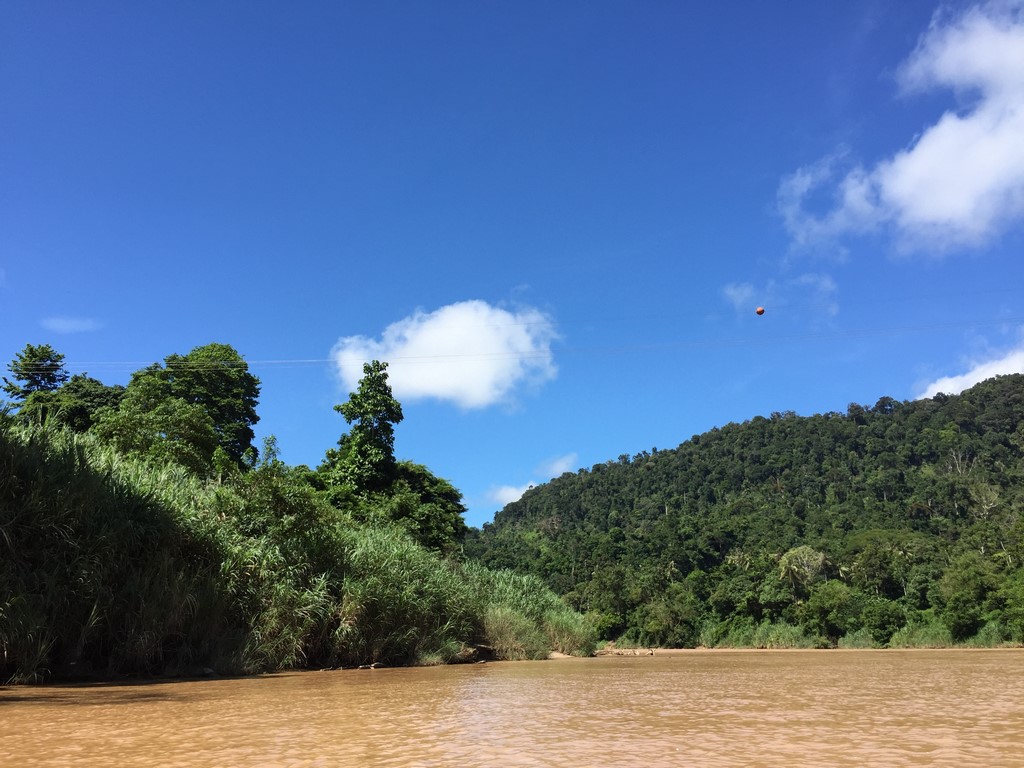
<point>552,468</point>
<point>70,324</point>
<point>961,181</point>
<point>506,494</point>
<point>1012,362</point>
<point>559,465</point>
<point>470,353</point>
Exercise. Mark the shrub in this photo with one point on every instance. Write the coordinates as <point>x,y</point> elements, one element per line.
<point>862,638</point>
<point>778,635</point>
<point>512,635</point>
<point>929,634</point>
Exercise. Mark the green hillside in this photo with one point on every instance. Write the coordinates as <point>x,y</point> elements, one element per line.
<point>142,533</point>
<point>895,524</point>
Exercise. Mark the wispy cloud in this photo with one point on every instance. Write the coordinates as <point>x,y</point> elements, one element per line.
<point>551,468</point>
<point>810,290</point>
<point>70,324</point>
<point>1011,362</point>
<point>740,295</point>
<point>559,465</point>
<point>469,353</point>
<point>960,182</point>
<point>506,494</point>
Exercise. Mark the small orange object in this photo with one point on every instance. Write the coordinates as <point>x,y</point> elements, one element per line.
<point>760,310</point>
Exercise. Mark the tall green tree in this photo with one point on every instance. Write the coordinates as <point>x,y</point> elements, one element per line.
<point>217,379</point>
<point>149,423</point>
<point>428,507</point>
<point>37,368</point>
<point>75,405</point>
<point>365,456</point>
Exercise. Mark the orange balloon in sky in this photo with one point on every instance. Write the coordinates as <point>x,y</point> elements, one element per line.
<point>760,310</point>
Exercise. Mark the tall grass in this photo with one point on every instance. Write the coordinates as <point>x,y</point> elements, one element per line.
<point>110,565</point>
<point>522,618</point>
<point>928,634</point>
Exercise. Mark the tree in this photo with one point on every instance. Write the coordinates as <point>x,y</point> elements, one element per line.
<point>149,423</point>
<point>365,457</point>
<point>427,506</point>
<point>216,378</point>
<point>40,368</point>
<point>832,610</point>
<point>802,567</point>
<point>74,405</point>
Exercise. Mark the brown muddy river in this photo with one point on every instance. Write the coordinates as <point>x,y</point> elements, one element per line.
<point>703,708</point>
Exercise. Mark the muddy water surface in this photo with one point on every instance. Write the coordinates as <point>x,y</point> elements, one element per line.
<point>704,708</point>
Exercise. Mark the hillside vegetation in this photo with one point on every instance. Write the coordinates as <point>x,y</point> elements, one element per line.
<point>897,524</point>
<point>141,533</point>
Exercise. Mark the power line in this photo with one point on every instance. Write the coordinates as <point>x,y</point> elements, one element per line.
<point>544,352</point>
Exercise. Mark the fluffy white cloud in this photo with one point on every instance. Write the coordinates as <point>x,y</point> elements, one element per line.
<point>70,324</point>
<point>506,494</point>
<point>1012,362</point>
<point>470,353</point>
<point>961,181</point>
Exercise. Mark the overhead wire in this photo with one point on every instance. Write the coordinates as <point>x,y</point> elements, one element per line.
<point>73,366</point>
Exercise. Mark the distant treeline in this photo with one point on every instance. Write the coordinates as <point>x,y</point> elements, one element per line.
<point>142,533</point>
<point>899,524</point>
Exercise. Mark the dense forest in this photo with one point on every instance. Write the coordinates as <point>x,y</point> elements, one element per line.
<point>900,524</point>
<point>142,532</point>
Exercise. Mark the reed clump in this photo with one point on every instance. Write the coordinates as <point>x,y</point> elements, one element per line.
<point>111,565</point>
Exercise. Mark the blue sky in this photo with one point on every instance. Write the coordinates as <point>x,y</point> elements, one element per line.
<point>554,220</point>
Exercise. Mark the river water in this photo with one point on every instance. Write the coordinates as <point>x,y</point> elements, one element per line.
<point>701,708</point>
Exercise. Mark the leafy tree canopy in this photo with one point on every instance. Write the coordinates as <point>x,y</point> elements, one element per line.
<point>37,368</point>
<point>75,405</point>
<point>365,457</point>
<point>215,378</point>
<point>159,427</point>
<point>857,524</point>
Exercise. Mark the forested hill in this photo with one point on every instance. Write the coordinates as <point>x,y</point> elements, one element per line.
<point>897,523</point>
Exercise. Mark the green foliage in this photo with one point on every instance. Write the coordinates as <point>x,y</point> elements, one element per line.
<point>861,639</point>
<point>778,635</point>
<point>1011,596</point>
<point>833,523</point>
<point>570,633</point>
<point>37,368</point>
<point>882,618</point>
<point>926,633</point>
<point>428,507</point>
<point>152,424</point>
<point>216,378</point>
<point>963,591</point>
<point>196,411</point>
<point>833,610</point>
<point>74,405</point>
<point>512,635</point>
<point>139,568</point>
<point>363,475</point>
<point>400,601</point>
<point>365,457</point>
